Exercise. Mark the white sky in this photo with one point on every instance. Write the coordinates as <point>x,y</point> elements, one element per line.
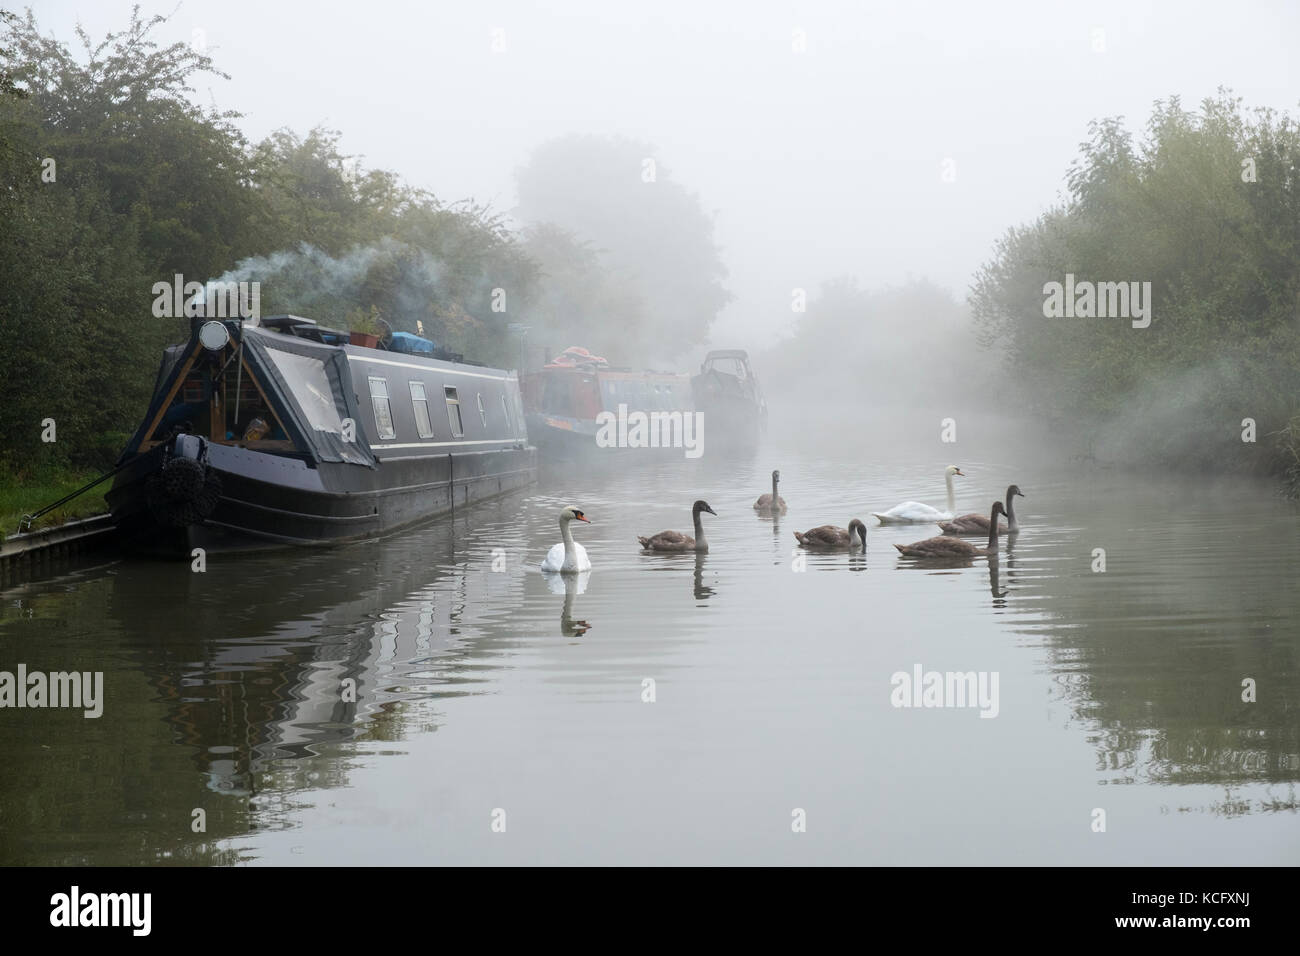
<point>816,164</point>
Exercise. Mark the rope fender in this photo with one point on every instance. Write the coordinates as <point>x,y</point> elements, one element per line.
<point>185,490</point>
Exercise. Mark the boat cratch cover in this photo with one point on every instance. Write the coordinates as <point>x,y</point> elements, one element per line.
<point>309,384</point>
<point>314,385</point>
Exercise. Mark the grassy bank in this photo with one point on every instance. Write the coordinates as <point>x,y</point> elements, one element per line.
<point>24,494</point>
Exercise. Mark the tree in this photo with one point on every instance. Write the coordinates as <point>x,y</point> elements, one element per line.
<point>110,166</point>
<point>1206,208</point>
<point>115,180</point>
<point>582,299</point>
<point>644,224</point>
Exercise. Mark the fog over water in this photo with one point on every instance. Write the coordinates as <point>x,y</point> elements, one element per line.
<point>869,198</point>
<point>817,164</point>
<point>483,686</point>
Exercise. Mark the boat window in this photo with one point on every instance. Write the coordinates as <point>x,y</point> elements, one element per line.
<point>506,412</point>
<point>383,414</point>
<point>453,412</point>
<point>306,379</point>
<point>420,401</point>
<point>518,401</point>
<point>482,412</point>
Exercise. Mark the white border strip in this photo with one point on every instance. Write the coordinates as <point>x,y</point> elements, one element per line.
<point>443,444</point>
<point>429,368</point>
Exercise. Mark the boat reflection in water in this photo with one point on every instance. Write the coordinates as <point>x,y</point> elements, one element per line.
<point>332,647</point>
<point>404,686</point>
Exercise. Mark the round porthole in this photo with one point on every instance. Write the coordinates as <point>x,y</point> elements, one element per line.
<point>213,335</point>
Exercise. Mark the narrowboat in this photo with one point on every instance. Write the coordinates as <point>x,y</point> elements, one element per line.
<point>726,391</point>
<point>279,432</point>
<point>578,403</point>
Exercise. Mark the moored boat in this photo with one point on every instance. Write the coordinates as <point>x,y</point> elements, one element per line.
<point>727,392</point>
<point>280,433</point>
<point>578,404</point>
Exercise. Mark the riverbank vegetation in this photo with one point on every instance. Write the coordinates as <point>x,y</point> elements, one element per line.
<point>1204,206</point>
<point>117,179</point>
<point>1203,211</point>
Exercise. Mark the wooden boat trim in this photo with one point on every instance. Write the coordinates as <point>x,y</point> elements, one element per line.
<point>171,393</point>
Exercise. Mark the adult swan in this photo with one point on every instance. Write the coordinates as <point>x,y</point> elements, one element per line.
<point>568,557</point>
<point>913,512</point>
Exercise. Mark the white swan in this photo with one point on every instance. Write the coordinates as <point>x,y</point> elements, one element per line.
<point>568,557</point>
<point>913,512</point>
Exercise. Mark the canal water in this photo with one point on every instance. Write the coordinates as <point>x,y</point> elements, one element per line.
<point>434,698</point>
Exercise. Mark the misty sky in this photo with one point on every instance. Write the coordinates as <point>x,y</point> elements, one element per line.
<point>816,164</point>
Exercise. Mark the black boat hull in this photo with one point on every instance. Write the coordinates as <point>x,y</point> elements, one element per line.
<point>270,501</point>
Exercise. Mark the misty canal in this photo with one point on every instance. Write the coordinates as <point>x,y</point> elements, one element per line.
<point>435,698</point>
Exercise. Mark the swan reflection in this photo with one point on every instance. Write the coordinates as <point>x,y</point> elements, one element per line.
<point>702,591</point>
<point>570,585</point>
<point>998,595</point>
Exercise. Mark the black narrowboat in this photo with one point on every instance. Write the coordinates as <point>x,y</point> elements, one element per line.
<point>279,433</point>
